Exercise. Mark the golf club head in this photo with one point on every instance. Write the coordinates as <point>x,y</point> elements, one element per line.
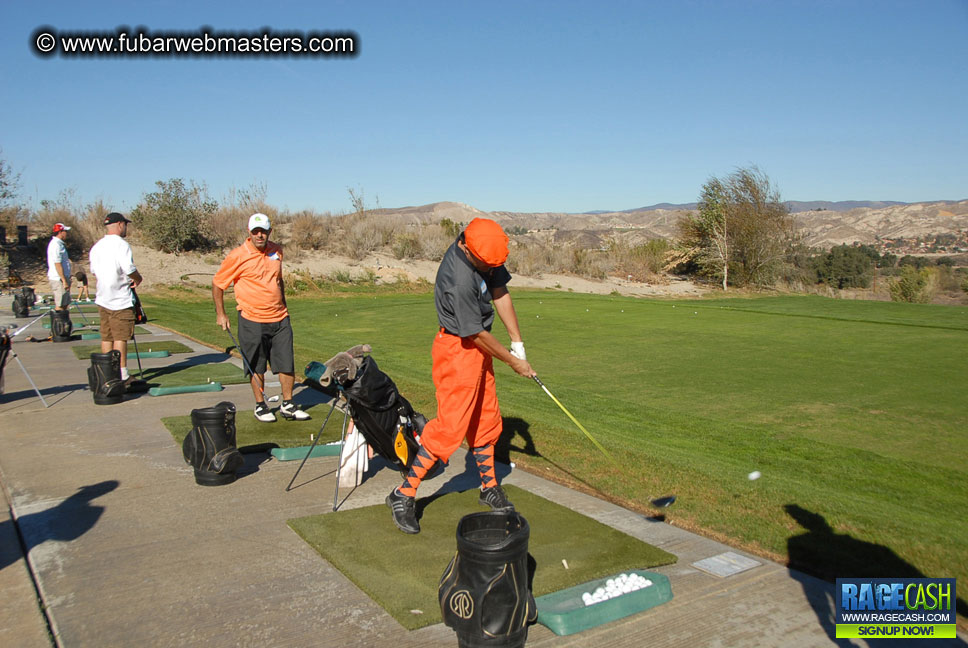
<point>664,502</point>
<point>272,399</point>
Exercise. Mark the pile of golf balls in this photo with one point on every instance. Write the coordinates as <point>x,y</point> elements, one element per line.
<point>615,587</point>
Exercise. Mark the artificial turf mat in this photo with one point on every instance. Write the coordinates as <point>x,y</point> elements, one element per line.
<point>251,433</point>
<point>180,374</point>
<point>84,351</point>
<point>94,333</point>
<point>401,572</point>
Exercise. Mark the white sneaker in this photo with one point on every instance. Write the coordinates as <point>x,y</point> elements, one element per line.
<point>291,411</point>
<point>264,414</point>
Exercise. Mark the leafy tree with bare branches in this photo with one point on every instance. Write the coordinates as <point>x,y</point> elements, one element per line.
<point>740,232</point>
<point>173,218</point>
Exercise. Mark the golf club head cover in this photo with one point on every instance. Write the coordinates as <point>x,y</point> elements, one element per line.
<point>104,378</point>
<point>485,593</point>
<point>210,446</point>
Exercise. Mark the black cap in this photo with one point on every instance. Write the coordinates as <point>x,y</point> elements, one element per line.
<point>115,217</point>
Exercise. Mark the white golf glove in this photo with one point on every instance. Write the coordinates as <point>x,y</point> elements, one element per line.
<point>517,350</point>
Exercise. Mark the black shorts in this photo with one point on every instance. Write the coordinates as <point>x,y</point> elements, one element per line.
<point>262,341</point>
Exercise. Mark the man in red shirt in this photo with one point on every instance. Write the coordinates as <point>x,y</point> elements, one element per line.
<point>265,334</point>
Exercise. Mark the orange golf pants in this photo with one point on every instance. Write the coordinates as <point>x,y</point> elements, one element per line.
<point>466,397</point>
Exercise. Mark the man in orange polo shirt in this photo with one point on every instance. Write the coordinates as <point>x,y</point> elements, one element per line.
<point>470,279</point>
<point>265,334</point>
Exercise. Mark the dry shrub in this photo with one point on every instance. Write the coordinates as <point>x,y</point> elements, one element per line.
<point>434,241</point>
<point>407,246</point>
<point>227,226</point>
<point>591,264</point>
<point>362,236</point>
<point>311,231</point>
<point>643,262</point>
<point>532,259</point>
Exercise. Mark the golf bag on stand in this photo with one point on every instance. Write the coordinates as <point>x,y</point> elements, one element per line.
<point>60,325</point>
<point>210,446</point>
<point>104,378</point>
<point>485,592</point>
<point>385,418</point>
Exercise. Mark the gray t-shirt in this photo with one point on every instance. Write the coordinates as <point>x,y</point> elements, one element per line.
<point>463,295</point>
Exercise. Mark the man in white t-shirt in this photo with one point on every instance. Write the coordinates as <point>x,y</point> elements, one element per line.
<point>112,262</point>
<point>59,267</point>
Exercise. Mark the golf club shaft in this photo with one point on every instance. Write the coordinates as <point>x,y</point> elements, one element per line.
<point>573,419</point>
<point>83,316</point>
<point>137,354</point>
<point>246,364</point>
<point>25,326</point>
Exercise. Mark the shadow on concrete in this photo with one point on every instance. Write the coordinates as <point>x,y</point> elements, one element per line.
<point>65,522</point>
<point>828,555</point>
<point>153,373</point>
<point>518,429</point>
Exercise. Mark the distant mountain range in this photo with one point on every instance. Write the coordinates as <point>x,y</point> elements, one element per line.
<point>822,223</point>
<point>793,205</point>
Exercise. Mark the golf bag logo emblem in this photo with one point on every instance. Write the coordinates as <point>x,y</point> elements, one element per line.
<point>462,604</point>
<point>400,446</point>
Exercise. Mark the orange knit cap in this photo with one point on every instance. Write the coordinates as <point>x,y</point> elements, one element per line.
<point>487,241</point>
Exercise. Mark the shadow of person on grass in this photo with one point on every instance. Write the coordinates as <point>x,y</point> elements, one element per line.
<point>69,520</point>
<point>827,555</point>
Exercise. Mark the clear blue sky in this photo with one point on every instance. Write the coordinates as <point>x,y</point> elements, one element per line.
<point>517,106</point>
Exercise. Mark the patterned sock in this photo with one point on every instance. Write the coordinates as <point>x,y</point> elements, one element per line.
<point>484,456</point>
<point>422,463</point>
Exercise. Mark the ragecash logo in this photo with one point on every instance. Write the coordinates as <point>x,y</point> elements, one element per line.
<point>911,608</point>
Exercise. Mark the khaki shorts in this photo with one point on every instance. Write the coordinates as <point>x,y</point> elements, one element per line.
<point>62,296</point>
<point>116,326</point>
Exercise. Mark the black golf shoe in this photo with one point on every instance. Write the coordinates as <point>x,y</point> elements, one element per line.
<point>404,510</point>
<point>496,499</point>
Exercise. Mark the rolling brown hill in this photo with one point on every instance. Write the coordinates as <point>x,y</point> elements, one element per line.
<point>820,227</point>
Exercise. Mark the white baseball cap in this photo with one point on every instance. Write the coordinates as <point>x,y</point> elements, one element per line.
<point>259,221</point>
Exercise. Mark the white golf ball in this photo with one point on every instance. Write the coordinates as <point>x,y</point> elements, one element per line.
<point>754,475</point>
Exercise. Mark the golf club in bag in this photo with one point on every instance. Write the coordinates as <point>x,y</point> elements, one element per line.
<point>386,419</point>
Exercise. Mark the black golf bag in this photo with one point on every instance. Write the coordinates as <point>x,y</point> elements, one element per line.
<point>385,418</point>
<point>22,301</point>
<point>104,378</point>
<point>210,446</point>
<point>485,592</point>
<point>60,325</point>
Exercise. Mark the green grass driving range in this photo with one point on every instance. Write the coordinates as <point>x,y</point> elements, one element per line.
<point>854,412</point>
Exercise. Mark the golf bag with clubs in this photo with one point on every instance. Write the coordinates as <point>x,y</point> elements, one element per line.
<point>104,378</point>
<point>60,325</point>
<point>485,592</point>
<point>210,447</point>
<point>385,418</point>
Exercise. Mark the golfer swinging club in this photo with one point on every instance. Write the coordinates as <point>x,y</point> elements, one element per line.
<point>265,334</point>
<point>471,277</point>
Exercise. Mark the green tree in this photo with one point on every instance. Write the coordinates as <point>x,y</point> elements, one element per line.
<point>846,266</point>
<point>175,218</point>
<point>741,233</point>
<point>913,285</point>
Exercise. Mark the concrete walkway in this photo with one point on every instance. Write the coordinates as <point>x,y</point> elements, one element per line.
<point>124,549</point>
